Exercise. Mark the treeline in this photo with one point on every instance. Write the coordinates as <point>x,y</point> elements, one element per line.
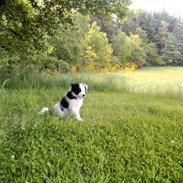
<point>87,42</point>
<point>161,31</point>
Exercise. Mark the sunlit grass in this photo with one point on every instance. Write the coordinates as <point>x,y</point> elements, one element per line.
<point>156,80</point>
<point>125,136</point>
<point>147,80</point>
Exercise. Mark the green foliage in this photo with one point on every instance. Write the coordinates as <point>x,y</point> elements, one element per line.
<point>33,19</point>
<point>121,46</point>
<point>150,22</point>
<point>73,35</point>
<point>150,50</point>
<point>98,51</point>
<point>131,23</point>
<point>4,59</point>
<point>109,24</point>
<point>68,41</point>
<point>142,34</point>
<point>179,38</point>
<point>171,53</point>
<point>161,36</point>
<point>152,57</point>
<point>137,51</point>
<point>29,28</point>
<point>157,28</point>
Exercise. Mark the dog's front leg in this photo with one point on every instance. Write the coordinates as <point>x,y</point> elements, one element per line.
<point>76,114</point>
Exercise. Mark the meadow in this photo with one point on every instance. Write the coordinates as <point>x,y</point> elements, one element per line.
<point>132,129</point>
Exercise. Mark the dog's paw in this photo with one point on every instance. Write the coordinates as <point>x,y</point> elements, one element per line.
<point>80,119</point>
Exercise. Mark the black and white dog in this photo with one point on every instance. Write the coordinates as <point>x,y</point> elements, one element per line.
<point>71,103</point>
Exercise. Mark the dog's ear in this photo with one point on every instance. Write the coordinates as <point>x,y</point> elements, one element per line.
<point>74,86</point>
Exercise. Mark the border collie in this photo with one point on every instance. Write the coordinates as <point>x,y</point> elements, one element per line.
<point>71,103</point>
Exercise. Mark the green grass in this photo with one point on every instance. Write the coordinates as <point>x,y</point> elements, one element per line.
<point>125,137</point>
<point>156,80</point>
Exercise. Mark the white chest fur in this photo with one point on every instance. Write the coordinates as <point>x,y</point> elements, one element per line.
<point>75,104</point>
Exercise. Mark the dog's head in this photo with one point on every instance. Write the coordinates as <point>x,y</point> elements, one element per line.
<point>79,89</point>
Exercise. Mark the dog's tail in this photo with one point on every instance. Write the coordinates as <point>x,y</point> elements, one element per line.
<point>43,110</point>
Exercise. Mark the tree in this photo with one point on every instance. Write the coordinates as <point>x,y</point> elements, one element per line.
<point>68,42</point>
<point>150,50</point>
<point>161,36</point>
<point>152,57</point>
<point>26,27</point>
<point>121,46</point>
<point>137,55</point>
<point>109,24</point>
<point>179,38</point>
<point>35,18</point>
<point>149,24</point>
<point>131,23</point>
<point>171,54</point>
<point>97,49</point>
<point>142,34</point>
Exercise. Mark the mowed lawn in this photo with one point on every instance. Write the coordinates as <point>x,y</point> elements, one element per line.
<point>126,136</point>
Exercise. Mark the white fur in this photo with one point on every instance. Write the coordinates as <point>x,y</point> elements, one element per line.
<point>73,109</point>
<point>74,105</point>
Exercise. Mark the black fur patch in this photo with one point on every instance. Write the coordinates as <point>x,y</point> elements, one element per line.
<point>70,96</point>
<point>64,103</point>
<point>75,88</point>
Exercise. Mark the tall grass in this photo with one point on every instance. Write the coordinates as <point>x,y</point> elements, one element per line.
<point>97,82</point>
<point>167,80</point>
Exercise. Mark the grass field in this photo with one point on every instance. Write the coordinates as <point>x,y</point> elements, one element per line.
<point>132,129</point>
<point>156,80</point>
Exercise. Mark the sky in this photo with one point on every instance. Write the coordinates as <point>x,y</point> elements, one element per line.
<point>173,7</point>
